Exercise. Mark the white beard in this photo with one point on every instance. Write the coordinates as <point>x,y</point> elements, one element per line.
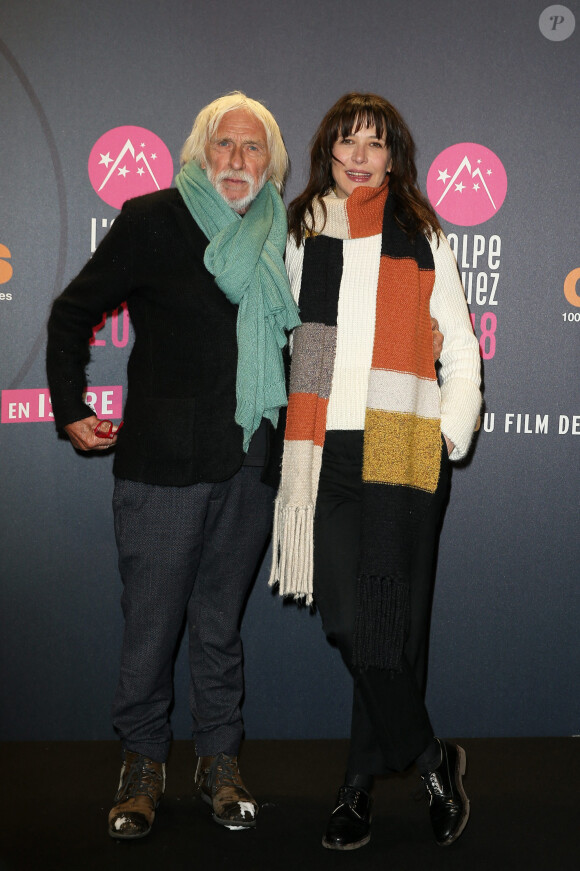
<point>243,203</point>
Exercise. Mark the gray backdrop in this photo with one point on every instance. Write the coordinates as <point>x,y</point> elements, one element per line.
<point>505,652</point>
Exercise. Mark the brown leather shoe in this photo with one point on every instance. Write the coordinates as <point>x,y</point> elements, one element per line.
<point>141,786</point>
<point>220,784</point>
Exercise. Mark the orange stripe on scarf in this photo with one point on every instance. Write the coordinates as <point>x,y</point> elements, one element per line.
<point>403,340</point>
<point>365,211</point>
<point>306,418</point>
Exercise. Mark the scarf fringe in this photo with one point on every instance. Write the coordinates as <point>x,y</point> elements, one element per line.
<point>292,551</point>
<point>381,622</point>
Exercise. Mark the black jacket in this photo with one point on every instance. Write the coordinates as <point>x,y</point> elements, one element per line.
<point>181,398</point>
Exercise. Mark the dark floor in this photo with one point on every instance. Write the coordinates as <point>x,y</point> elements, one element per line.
<point>525,811</point>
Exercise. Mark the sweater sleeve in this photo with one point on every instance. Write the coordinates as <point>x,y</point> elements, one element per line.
<point>460,375</point>
<point>102,285</point>
<point>294,259</point>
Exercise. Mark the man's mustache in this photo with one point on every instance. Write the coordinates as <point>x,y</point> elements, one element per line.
<point>234,173</point>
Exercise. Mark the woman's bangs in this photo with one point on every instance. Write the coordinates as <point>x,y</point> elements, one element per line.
<point>357,118</point>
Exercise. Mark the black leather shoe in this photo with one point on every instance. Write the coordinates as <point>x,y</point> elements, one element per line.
<point>448,804</point>
<point>349,826</point>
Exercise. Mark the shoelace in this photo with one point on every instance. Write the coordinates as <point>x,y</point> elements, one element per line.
<point>348,795</point>
<point>433,785</point>
<point>141,780</point>
<point>225,772</point>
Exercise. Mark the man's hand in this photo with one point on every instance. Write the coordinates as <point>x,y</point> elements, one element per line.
<point>437,339</point>
<point>83,437</point>
<point>450,445</point>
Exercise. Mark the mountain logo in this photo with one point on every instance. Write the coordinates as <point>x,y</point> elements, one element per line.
<point>467,184</point>
<point>127,162</point>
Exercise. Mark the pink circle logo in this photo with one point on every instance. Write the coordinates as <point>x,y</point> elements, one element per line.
<point>467,184</point>
<point>128,162</point>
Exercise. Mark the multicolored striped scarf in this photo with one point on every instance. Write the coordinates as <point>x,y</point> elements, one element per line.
<point>402,433</point>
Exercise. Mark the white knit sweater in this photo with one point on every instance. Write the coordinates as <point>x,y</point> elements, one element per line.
<point>459,376</point>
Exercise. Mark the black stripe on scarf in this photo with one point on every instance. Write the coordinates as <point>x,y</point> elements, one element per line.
<point>390,518</point>
<point>321,277</point>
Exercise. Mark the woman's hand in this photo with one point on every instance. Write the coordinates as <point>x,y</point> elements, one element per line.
<point>437,339</point>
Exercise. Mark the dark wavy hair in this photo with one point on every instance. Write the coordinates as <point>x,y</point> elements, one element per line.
<point>413,212</point>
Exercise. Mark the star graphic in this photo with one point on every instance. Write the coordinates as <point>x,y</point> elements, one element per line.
<point>142,145</point>
<point>459,187</point>
<point>106,159</point>
<point>489,171</point>
<point>443,176</point>
<point>153,156</point>
<point>140,171</point>
<point>123,171</point>
<point>479,161</point>
<point>476,186</point>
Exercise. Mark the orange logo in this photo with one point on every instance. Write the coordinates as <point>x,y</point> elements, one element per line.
<point>570,285</point>
<point>6,270</point>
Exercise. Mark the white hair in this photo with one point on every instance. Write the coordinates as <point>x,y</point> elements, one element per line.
<point>208,121</point>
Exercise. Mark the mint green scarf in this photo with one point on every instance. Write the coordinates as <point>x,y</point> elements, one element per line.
<point>245,254</point>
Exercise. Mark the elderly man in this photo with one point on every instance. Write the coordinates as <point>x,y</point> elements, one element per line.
<point>201,268</point>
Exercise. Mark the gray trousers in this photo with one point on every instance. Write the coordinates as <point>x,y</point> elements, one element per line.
<point>186,554</point>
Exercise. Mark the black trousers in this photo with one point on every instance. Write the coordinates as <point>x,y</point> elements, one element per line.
<point>390,724</point>
<point>186,553</point>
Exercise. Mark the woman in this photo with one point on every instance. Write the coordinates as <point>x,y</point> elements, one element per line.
<point>369,436</point>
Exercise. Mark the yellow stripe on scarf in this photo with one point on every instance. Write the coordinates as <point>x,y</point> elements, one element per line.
<point>401,449</point>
